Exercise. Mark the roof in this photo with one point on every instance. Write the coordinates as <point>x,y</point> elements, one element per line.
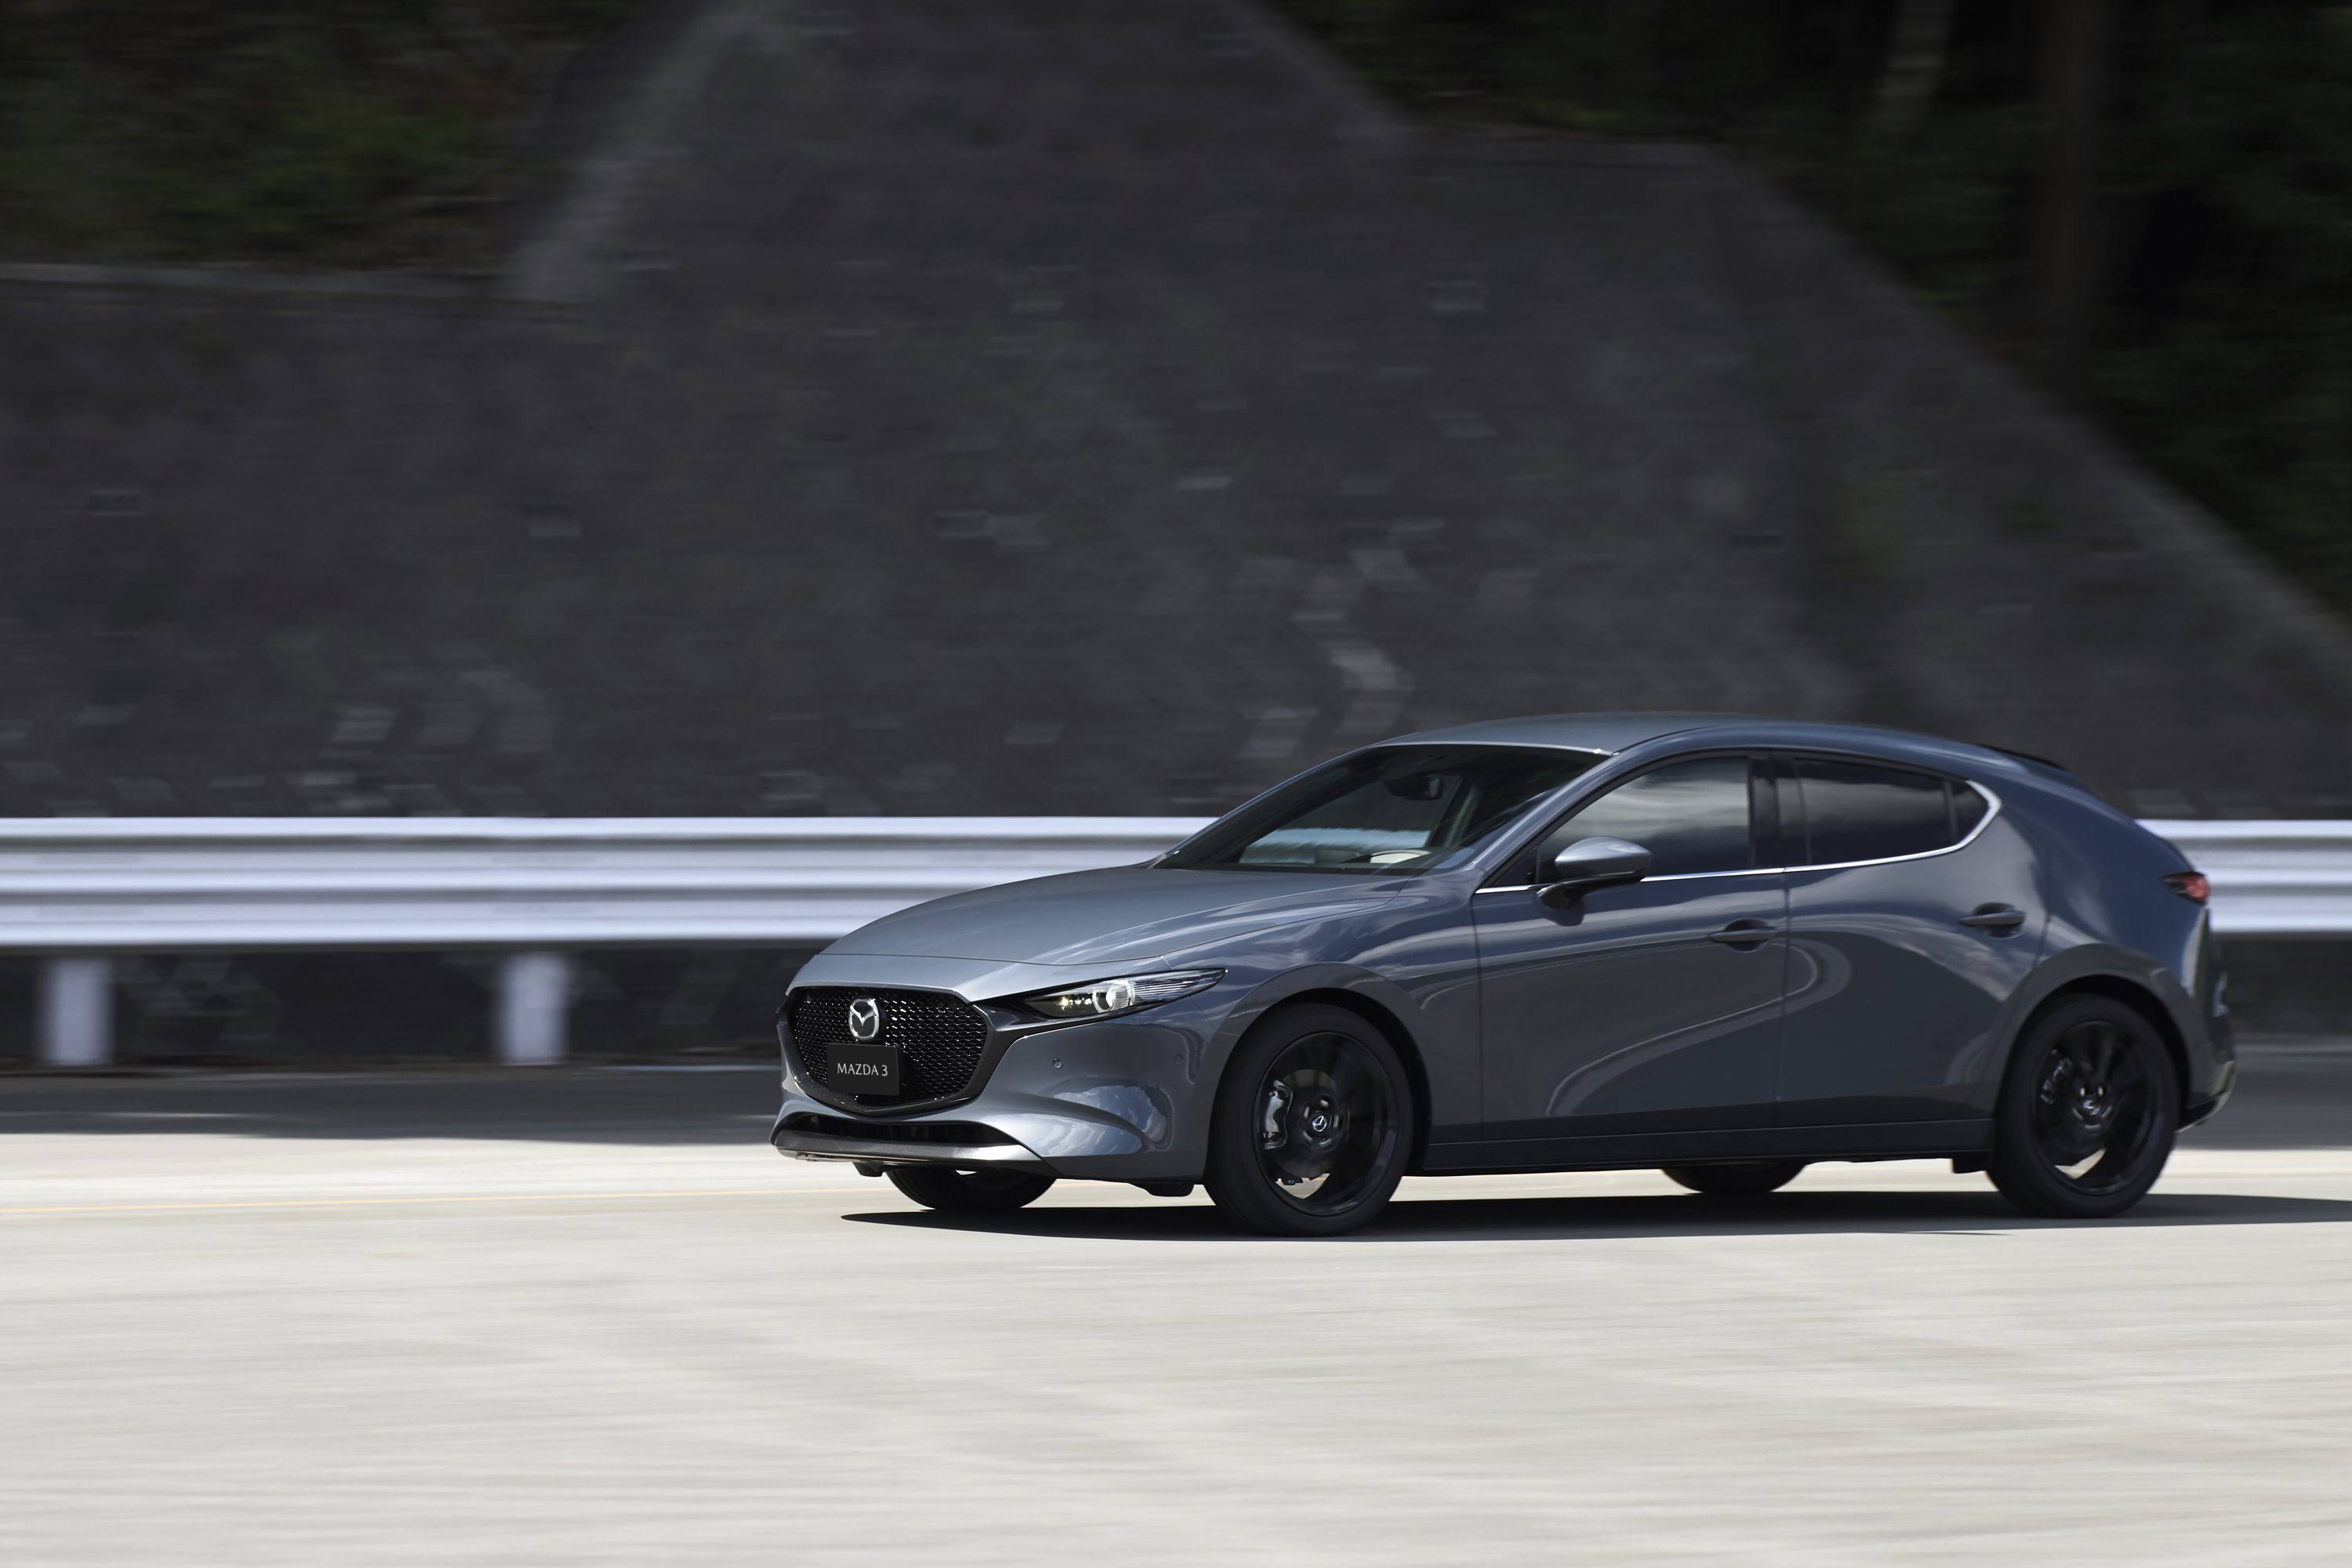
<point>1615,732</point>
<point>1580,731</point>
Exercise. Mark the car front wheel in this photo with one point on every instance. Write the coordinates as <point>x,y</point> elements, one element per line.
<point>968,1192</point>
<point>1313,1124</point>
<point>2087,1113</point>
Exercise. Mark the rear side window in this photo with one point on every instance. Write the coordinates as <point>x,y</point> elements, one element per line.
<point>1855,811</point>
<point>1691,816</point>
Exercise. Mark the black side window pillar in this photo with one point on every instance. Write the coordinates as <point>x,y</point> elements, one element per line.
<point>1764,809</point>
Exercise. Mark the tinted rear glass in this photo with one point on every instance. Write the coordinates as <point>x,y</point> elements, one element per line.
<point>1854,811</point>
<point>1968,810</point>
<point>1396,811</point>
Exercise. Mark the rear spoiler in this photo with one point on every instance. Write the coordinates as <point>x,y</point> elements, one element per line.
<point>2058,771</point>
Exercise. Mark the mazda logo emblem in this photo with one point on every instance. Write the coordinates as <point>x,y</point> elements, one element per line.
<point>864,1018</point>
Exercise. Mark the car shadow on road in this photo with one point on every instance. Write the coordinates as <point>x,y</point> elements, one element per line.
<point>1623,1217</point>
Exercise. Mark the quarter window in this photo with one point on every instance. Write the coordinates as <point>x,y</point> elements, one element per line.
<point>1692,816</point>
<point>1854,811</point>
<point>1968,810</point>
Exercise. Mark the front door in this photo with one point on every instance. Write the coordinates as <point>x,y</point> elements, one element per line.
<point>1649,1008</point>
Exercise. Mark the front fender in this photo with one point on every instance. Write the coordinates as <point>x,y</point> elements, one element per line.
<point>1273,992</point>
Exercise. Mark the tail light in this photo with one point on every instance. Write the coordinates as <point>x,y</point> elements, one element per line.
<point>2191,885</point>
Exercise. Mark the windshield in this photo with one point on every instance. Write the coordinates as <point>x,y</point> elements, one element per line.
<point>1394,811</point>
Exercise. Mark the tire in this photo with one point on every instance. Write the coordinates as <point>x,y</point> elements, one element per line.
<point>968,1192</point>
<point>2087,1114</point>
<point>1313,1124</point>
<point>1737,1179</point>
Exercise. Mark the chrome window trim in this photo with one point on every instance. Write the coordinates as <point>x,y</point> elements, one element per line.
<point>1992,809</point>
<point>1671,877</point>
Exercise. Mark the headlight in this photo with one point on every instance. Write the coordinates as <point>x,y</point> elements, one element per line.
<point>1127,994</point>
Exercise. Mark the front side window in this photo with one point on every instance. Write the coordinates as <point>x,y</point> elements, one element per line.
<point>1692,816</point>
<point>1857,811</point>
<point>1394,811</point>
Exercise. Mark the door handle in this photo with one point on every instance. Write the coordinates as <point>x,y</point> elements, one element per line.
<point>1994,917</point>
<point>1746,934</point>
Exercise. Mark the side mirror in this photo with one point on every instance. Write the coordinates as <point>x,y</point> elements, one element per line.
<point>1591,863</point>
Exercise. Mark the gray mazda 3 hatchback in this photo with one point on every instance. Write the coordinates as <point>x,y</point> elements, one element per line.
<point>1723,947</point>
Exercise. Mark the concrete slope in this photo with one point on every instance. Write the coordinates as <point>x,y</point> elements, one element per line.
<point>1054,407</point>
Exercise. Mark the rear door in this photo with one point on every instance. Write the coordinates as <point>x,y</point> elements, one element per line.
<point>1914,912</point>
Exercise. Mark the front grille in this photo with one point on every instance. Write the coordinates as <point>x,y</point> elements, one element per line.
<point>940,1039</point>
<point>960,1134</point>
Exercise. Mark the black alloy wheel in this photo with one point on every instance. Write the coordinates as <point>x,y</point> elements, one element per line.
<point>1737,1178</point>
<point>1313,1124</point>
<point>968,1192</point>
<point>2087,1114</point>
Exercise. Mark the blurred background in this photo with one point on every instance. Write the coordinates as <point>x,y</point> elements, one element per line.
<point>644,407</point>
<point>463,418</point>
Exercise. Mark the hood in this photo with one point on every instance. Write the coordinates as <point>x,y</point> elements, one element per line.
<point>1124,915</point>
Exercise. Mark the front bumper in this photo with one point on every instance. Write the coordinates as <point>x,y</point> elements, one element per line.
<point>967,1144</point>
<point>1123,1100</point>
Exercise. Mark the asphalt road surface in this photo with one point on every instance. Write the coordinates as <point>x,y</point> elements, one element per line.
<point>588,1318</point>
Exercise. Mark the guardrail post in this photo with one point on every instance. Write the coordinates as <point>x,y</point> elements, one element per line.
<point>534,995</point>
<point>76,1012</point>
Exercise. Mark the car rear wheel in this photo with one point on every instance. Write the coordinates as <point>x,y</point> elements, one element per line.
<point>2087,1113</point>
<point>1737,1179</point>
<point>968,1192</point>
<point>1313,1124</point>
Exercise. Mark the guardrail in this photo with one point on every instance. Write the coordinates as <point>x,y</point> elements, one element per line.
<point>79,891</point>
<point>2271,878</point>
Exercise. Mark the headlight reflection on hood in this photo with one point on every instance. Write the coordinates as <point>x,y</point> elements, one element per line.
<point>1127,994</point>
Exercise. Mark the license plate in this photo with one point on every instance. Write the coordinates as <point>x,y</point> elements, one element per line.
<point>865,1070</point>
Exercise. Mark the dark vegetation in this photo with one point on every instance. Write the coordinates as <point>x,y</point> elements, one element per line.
<point>285,132</point>
<point>2149,204</point>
